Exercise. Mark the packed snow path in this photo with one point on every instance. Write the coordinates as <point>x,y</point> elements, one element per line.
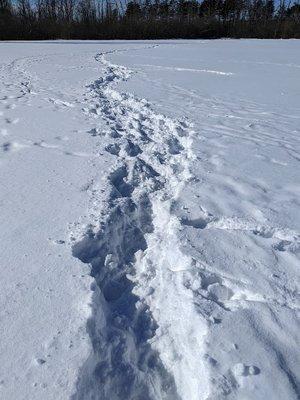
<point>182,218</point>
<point>136,248</point>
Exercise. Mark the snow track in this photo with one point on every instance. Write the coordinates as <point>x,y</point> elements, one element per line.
<point>183,279</point>
<point>147,339</point>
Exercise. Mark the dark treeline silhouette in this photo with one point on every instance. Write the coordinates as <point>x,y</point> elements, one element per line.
<point>148,19</point>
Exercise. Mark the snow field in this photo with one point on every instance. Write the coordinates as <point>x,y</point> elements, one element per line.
<point>151,247</point>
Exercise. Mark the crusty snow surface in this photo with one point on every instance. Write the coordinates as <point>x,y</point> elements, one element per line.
<point>150,225</point>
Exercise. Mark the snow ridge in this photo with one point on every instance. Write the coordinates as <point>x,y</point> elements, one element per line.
<point>146,336</point>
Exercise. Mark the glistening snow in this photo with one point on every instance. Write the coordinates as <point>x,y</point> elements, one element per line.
<point>150,220</point>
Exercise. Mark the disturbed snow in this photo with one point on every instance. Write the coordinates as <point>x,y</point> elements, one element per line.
<point>150,247</point>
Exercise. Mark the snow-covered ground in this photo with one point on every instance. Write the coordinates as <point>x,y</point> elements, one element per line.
<point>150,225</point>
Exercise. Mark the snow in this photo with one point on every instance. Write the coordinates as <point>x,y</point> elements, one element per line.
<point>150,225</point>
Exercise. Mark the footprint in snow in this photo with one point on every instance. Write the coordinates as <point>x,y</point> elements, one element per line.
<point>10,106</point>
<point>205,218</point>
<point>197,223</point>
<point>6,146</point>
<point>11,121</point>
<point>286,240</point>
<point>58,102</point>
<point>40,361</point>
<point>241,369</point>
<point>113,149</point>
<point>96,132</point>
<point>12,146</point>
<point>210,287</point>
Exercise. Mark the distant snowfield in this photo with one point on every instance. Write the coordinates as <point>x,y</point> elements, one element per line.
<point>150,224</point>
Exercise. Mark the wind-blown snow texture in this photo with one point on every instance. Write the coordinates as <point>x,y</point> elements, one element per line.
<point>150,247</point>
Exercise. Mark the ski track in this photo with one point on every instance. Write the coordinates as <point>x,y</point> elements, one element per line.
<point>147,342</point>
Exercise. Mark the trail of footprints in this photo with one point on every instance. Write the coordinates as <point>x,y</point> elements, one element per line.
<point>227,293</point>
<point>19,92</point>
<point>282,239</point>
<point>146,146</point>
<point>150,149</point>
<point>16,92</point>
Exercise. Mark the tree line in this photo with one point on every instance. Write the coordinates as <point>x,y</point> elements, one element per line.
<point>148,19</point>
